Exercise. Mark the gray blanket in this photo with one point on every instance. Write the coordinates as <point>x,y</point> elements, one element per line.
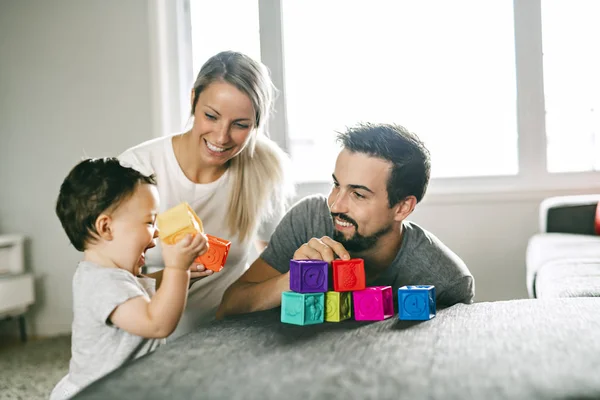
<point>520,349</point>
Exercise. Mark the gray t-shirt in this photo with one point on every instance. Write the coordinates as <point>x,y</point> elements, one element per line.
<point>422,260</point>
<point>97,346</point>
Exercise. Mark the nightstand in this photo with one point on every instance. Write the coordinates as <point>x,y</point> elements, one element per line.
<point>16,294</point>
<point>16,286</point>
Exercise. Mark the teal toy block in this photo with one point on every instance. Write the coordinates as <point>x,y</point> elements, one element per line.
<point>416,303</point>
<point>302,308</point>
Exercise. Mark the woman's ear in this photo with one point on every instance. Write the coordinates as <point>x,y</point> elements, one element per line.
<point>192,97</point>
<point>104,227</point>
<point>404,208</point>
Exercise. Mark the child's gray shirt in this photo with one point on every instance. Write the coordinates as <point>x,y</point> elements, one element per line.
<point>97,346</point>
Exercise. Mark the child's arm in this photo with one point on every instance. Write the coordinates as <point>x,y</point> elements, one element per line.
<point>158,317</point>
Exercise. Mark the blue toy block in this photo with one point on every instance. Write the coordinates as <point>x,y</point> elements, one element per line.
<point>302,308</point>
<point>309,276</point>
<point>416,303</point>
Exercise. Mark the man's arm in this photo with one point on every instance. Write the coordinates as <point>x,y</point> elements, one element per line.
<point>462,291</point>
<point>258,289</point>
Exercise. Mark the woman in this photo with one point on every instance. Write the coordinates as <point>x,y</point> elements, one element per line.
<point>225,167</point>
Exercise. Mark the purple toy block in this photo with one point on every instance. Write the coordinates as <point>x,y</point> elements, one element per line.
<point>374,303</point>
<point>308,276</point>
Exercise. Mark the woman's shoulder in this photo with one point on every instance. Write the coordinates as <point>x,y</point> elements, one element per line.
<point>154,145</point>
<point>150,156</point>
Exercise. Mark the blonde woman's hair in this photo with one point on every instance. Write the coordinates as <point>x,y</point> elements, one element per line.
<point>259,183</point>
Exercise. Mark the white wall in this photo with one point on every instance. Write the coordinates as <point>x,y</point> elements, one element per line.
<point>74,81</point>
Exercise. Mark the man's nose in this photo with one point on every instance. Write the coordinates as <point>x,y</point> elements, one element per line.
<point>339,205</point>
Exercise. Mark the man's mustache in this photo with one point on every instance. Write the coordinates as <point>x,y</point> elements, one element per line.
<point>345,218</point>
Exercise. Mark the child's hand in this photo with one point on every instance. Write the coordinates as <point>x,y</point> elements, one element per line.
<point>182,254</point>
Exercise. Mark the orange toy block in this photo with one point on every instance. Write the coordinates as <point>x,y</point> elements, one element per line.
<point>181,220</point>
<point>348,275</point>
<point>216,256</point>
<point>177,222</point>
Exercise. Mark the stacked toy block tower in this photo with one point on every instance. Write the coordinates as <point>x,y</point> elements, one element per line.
<point>310,302</point>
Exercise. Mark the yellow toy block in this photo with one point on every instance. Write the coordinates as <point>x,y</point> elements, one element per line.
<point>337,306</point>
<point>177,222</point>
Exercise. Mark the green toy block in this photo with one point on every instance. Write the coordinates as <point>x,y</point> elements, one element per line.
<point>337,306</point>
<point>302,308</point>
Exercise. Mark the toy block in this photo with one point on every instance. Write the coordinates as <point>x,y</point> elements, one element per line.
<point>416,303</point>
<point>308,276</point>
<point>216,255</point>
<point>302,308</point>
<point>349,275</point>
<point>338,306</point>
<point>181,220</point>
<point>374,303</point>
<point>177,222</point>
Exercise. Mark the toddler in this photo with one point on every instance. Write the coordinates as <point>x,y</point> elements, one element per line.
<point>108,211</point>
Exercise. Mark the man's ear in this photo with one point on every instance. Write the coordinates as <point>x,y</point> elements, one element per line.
<point>103,227</point>
<point>404,208</point>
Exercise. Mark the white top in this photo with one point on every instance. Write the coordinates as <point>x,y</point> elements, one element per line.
<point>210,202</point>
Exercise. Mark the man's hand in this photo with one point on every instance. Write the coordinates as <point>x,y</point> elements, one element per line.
<point>182,254</point>
<point>197,272</point>
<point>324,249</point>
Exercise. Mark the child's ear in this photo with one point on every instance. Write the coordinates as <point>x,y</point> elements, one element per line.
<point>103,227</point>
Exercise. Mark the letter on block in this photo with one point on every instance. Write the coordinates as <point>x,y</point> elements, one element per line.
<point>416,303</point>
<point>348,275</point>
<point>373,303</point>
<point>177,222</point>
<point>216,255</point>
<point>308,276</point>
<point>302,308</point>
<point>337,306</point>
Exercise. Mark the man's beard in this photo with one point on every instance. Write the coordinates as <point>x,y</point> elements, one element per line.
<point>357,243</point>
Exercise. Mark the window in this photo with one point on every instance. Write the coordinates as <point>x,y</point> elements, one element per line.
<point>445,70</point>
<point>468,76</point>
<point>223,25</point>
<point>570,33</point>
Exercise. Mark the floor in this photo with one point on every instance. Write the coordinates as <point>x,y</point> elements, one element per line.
<point>29,371</point>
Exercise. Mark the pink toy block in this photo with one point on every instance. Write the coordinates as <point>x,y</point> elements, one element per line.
<point>374,303</point>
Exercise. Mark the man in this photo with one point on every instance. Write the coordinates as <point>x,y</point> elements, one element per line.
<point>380,175</point>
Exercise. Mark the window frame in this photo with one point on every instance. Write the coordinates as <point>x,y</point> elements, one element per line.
<point>170,33</point>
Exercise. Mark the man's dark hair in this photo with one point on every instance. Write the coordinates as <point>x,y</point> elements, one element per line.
<point>94,186</point>
<point>410,159</point>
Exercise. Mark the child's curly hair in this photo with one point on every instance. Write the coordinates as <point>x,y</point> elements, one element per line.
<point>94,186</point>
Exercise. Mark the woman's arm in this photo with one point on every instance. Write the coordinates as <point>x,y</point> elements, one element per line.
<point>260,245</point>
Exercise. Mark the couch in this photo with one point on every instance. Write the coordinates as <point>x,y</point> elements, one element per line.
<point>546,347</point>
<point>563,260</point>
<point>518,349</point>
